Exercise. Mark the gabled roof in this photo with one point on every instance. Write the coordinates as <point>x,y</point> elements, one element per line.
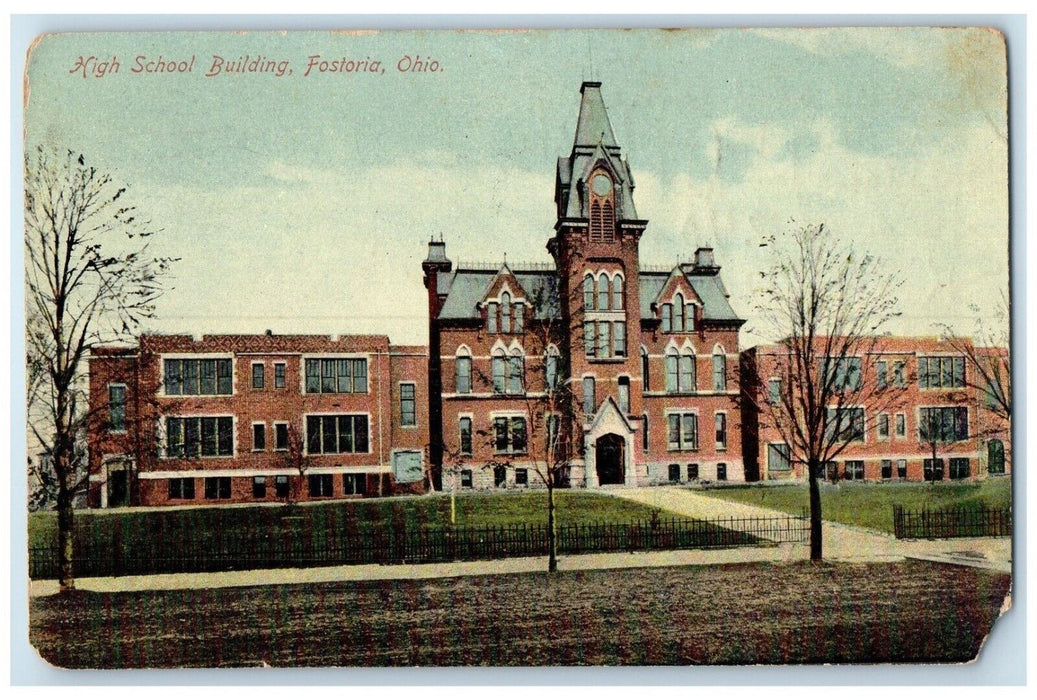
<point>465,290</point>
<point>710,289</point>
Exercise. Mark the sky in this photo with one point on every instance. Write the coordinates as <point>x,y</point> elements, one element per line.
<point>304,203</point>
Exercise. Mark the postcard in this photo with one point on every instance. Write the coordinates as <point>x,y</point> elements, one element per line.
<point>525,348</point>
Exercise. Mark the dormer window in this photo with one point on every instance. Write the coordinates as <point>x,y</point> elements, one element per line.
<point>504,316</point>
<point>492,309</point>
<point>677,316</point>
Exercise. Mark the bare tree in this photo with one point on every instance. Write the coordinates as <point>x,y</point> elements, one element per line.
<point>90,279</point>
<point>297,459</point>
<point>827,304</point>
<point>988,357</point>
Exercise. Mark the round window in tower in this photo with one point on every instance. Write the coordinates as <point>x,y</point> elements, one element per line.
<point>601,184</point>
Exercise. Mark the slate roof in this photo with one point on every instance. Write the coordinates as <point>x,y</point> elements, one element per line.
<point>464,290</point>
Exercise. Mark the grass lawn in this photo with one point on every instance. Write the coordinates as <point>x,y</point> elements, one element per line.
<point>871,504</point>
<point>310,520</point>
<point>910,611</point>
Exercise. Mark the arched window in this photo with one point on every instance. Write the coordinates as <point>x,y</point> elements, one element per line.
<point>463,361</point>
<point>589,401</point>
<point>515,372</point>
<point>588,292</point>
<point>680,372</point>
<point>644,432</point>
<point>603,292</point>
<point>689,317</point>
<point>551,368</point>
<point>491,317</point>
<point>505,313</point>
<point>500,372</point>
<point>687,378</point>
<point>520,312</point>
<point>672,376</point>
<point>617,292</point>
<point>678,313</point>
<point>644,369</point>
<point>719,370</point>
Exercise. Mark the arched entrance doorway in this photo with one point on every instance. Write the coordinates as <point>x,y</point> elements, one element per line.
<point>609,459</point>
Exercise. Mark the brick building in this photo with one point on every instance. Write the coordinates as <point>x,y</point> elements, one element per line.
<point>247,418</point>
<point>932,398</point>
<point>648,357</point>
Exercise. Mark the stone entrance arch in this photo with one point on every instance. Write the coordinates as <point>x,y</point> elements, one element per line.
<point>610,459</point>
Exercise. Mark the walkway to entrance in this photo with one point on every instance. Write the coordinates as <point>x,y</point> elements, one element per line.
<point>840,542</point>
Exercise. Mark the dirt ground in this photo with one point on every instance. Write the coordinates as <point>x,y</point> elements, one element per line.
<point>732,614</point>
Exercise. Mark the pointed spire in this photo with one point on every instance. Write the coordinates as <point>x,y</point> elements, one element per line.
<point>593,126</point>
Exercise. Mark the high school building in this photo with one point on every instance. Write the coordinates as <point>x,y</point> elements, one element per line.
<point>610,371</point>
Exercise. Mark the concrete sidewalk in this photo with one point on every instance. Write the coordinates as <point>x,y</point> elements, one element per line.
<point>841,542</point>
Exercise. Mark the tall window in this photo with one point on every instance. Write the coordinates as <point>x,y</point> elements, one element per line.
<point>617,293</point>
<point>588,292</point>
<point>117,407</point>
<point>667,317</point>
<point>515,372</point>
<point>200,436</point>
<point>603,292</point>
<point>551,369</point>
<point>464,374</point>
<point>258,437</point>
<point>603,338</point>
<point>899,378</point>
<point>465,429</point>
<point>680,372</point>
<point>644,369</point>
<point>589,339</point>
<point>720,423</point>
<point>619,339</point>
<point>883,426</point>
<point>492,309</point>
<point>279,368</point>
<point>589,401</point>
<point>336,434</point>
<point>624,394</point>
<point>900,425</point>
<point>519,309</point>
<point>280,436</point>
<point>844,373</point>
<point>258,375</point>
<point>505,313</point>
<point>941,372</point>
<point>552,435</point>
<point>509,435</point>
<point>499,366</point>
<point>644,432</point>
<point>881,372</point>
<point>778,457</point>
<point>719,371</point>
<point>678,313</point>
<point>682,431</point>
<point>202,377</point>
<point>846,424</point>
<point>408,405</point>
<point>774,392</point>
<point>336,376</point>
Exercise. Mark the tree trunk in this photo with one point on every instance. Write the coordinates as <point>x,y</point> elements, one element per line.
<point>66,579</point>
<point>552,541</point>
<point>815,511</point>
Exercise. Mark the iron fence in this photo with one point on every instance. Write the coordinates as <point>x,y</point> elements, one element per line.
<point>221,552</point>
<point>963,521</point>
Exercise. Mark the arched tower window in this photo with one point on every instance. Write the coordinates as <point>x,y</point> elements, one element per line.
<point>588,292</point>
<point>602,208</point>
<point>603,292</point>
<point>617,292</point>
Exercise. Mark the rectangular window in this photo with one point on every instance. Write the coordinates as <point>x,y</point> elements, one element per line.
<point>941,372</point>
<point>854,470</point>
<point>181,488</point>
<point>279,369</point>
<point>686,381</point>
<point>693,472</point>
<point>280,436</point>
<point>408,405</point>
<point>464,375</point>
<point>509,435</point>
<point>603,339</point>
<point>492,309</point>
<point>521,477</point>
<point>624,394</point>
<point>674,473</point>
<point>883,426</point>
<point>258,375</point>
<point>721,472</point>
<point>336,376</point>
<point>281,486</point>
<point>845,424</point>
<point>589,339</point>
<point>943,424</point>
<point>672,382</point>
<point>201,377</point>
<point>844,373</point>
<point>552,436</point>
<point>500,374</point>
<point>667,314</point>
<point>515,374</point>
<point>117,407</point>
<point>778,457</point>
<point>959,467</point>
<point>719,372</point>
<point>551,371</point>
<point>258,437</point>
<point>887,469</point>
<point>336,434</point>
<point>589,400</point>
<point>466,478</point>
<point>354,484</point>
<point>881,371</point>
<point>901,468</point>
<point>774,392</point>
<point>900,425</point>
<point>721,430</point>
<point>682,431</point>
<point>259,487</point>
<point>465,427</point>
<point>519,316</point>
<point>500,476</point>
<point>321,485</point>
<point>619,344</point>
<point>899,377</point>
<point>644,432</point>
<point>932,470</point>
<point>217,487</point>
<point>198,436</point>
